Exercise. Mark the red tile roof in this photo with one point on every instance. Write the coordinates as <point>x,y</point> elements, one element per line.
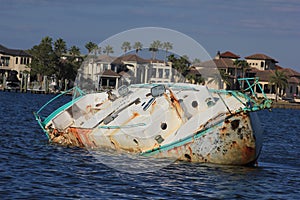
<point>193,70</point>
<point>253,70</point>
<point>105,58</point>
<point>219,63</point>
<point>109,73</point>
<point>278,67</point>
<point>294,80</point>
<point>260,56</point>
<point>264,75</point>
<point>229,54</point>
<point>290,72</point>
<point>130,58</point>
<point>13,52</point>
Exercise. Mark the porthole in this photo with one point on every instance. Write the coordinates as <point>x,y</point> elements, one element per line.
<point>194,104</point>
<point>163,126</point>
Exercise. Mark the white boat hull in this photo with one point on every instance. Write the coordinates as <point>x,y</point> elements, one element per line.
<point>190,124</point>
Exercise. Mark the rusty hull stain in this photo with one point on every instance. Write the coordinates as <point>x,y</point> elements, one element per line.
<point>228,148</point>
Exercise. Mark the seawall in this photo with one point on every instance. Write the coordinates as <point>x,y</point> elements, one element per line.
<point>286,105</point>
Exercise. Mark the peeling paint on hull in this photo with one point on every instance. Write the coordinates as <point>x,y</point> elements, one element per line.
<point>232,141</point>
<point>186,122</point>
<point>220,144</point>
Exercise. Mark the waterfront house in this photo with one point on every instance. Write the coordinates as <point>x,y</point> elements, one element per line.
<point>106,71</point>
<point>293,88</point>
<point>259,65</point>
<point>13,61</point>
<point>144,70</point>
<point>222,62</point>
<point>261,61</point>
<point>263,67</point>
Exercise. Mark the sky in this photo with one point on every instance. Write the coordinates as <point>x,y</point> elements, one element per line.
<point>271,27</point>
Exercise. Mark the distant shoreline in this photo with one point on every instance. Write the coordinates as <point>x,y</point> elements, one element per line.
<point>279,104</point>
<point>286,105</point>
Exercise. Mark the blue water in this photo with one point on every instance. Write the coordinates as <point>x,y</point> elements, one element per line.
<point>31,168</point>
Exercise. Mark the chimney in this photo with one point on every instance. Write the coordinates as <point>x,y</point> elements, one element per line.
<point>218,55</point>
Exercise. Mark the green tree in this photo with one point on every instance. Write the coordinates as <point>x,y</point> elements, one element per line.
<point>194,79</point>
<point>43,58</point>
<point>181,64</point>
<point>280,80</point>
<point>167,46</point>
<point>60,47</point>
<point>126,46</point>
<point>91,46</point>
<point>138,47</point>
<point>108,49</point>
<point>47,60</point>
<point>219,78</point>
<point>74,51</point>
<point>154,48</point>
<point>72,64</point>
<point>243,64</point>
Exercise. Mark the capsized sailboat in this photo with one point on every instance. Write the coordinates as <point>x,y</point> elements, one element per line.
<point>172,120</point>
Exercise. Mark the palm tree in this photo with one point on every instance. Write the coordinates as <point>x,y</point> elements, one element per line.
<point>138,47</point>
<point>194,79</point>
<point>126,46</point>
<point>217,78</point>
<point>74,51</point>
<point>90,46</point>
<point>167,46</point>
<point>244,65</point>
<point>280,80</point>
<point>154,47</point>
<point>47,40</point>
<point>108,49</point>
<point>60,47</point>
<point>98,50</point>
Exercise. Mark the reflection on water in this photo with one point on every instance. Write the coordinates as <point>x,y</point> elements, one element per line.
<point>30,167</point>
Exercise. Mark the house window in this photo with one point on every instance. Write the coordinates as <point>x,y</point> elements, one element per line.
<point>5,61</point>
<point>262,64</point>
<point>266,89</point>
<point>167,73</point>
<point>273,91</point>
<point>153,73</point>
<point>258,90</point>
<point>16,60</point>
<point>231,71</point>
<point>291,89</point>
<point>105,67</point>
<point>160,73</point>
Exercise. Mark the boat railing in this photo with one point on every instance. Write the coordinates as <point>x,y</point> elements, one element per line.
<point>248,93</point>
<point>43,116</point>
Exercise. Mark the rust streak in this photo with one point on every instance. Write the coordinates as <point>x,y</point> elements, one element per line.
<point>248,152</point>
<point>175,103</point>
